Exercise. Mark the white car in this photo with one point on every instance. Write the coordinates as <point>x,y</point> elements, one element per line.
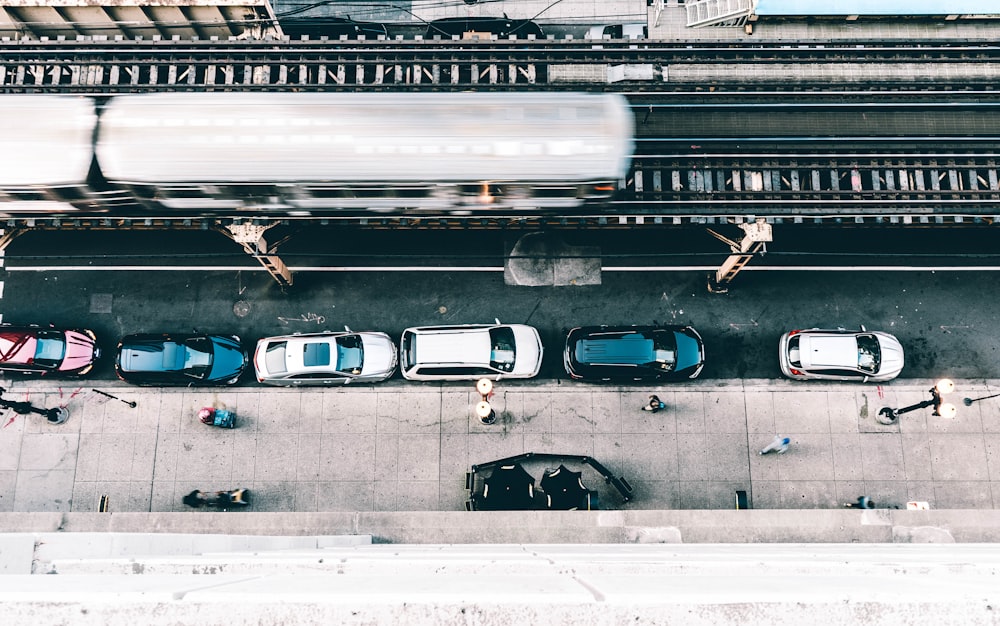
<point>850,355</point>
<point>470,352</point>
<point>328,358</point>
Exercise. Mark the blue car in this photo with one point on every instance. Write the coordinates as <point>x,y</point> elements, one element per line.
<point>180,359</point>
<point>634,353</point>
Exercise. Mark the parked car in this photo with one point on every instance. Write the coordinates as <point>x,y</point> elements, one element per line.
<point>470,351</point>
<point>861,355</point>
<point>605,353</point>
<point>180,359</point>
<point>328,358</point>
<point>47,350</point>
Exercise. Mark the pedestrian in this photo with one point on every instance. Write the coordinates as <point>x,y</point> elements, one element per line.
<point>654,404</point>
<point>863,503</point>
<point>195,499</point>
<point>779,445</point>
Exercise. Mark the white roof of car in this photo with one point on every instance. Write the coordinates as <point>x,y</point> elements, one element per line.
<point>828,351</point>
<point>467,346</point>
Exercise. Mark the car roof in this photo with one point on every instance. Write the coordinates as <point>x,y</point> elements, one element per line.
<point>615,348</point>
<point>469,345</point>
<point>820,350</point>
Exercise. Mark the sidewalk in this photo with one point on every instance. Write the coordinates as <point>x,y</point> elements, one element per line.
<point>406,446</point>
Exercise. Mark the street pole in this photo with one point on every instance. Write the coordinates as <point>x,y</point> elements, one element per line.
<point>969,401</point>
<point>890,415</point>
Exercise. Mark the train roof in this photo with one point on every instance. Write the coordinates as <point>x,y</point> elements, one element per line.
<point>47,139</point>
<point>365,138</point>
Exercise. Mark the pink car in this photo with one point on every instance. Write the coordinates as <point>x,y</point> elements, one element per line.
<point>37,350</point>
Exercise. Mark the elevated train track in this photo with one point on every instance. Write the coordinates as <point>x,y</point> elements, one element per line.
<point>128,66</point>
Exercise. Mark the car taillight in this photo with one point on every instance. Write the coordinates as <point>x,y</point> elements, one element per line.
<point>795,372</point>
<point>794,332</point>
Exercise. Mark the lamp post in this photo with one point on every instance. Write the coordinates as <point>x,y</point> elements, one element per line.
<point>56,415</point>
<point>484,411</point>
<point>969,401</point>
<point>888,415</point>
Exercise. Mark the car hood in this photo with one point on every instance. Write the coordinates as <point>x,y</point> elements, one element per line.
<point>81,351</point>
<point>528,350</point>
<point>892,356</point>
<point>688,354</point>
<point>380,354</point>
<point>228,359</point>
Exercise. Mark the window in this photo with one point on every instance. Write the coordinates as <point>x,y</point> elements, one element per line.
<point>794,354</point>
<point>833,372</point>
<point>455,371</point>
<point>50,350</point>
<point>312,376</point>
<point>274,357</point>
<point>350,354</point>
<point>316,354</point>
<point>502,354</point>
<point>869,353</point>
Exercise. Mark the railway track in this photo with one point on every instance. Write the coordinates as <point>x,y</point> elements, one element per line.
<point>665,190</point>
<point>130,66</point>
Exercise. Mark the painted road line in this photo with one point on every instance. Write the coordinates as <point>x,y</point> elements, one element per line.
<point>463,268</point>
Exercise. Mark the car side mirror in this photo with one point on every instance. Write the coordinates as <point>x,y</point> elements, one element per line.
<point>863,329</point>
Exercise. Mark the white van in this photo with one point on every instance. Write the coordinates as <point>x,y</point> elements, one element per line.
<point>470,352</point>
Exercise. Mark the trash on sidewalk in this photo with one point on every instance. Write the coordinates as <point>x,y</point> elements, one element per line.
<point>916,505</point>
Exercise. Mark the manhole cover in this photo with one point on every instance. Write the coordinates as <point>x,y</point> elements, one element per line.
<point>100,303</point>
<point>241,308</point>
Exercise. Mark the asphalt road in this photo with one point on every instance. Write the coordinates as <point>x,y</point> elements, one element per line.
<point>944,319</point>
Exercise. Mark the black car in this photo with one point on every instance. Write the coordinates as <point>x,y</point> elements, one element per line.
<point>606,353</point>
<point>180,359</point>
<point>499,26</point>
<point>332,27</point>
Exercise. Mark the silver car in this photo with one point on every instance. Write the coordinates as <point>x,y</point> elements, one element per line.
<point>849,355</point>
<point>328,358</point>
<point>470,351</point>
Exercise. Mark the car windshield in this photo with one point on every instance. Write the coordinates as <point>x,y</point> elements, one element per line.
<point>350,354</point>
<point>664,350</point>
<point>193,358</point>
<point>502,354</point>
<point>50,349</point>
<point>869,354</point>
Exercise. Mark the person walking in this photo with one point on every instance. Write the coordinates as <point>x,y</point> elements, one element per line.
<point>864,502</point>
<point>779,445</point>
<point>654,404</point>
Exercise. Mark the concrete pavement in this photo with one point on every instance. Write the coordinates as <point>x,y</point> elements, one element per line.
<point>406,447</point>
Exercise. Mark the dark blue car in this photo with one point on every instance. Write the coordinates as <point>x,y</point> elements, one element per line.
<point>180,359</point>
<point>634,353</point>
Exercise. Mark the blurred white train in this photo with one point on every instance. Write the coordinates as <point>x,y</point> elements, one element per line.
<point>311,153</point>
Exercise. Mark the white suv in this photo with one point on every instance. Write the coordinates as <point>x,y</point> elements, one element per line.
<point>470,352</point>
